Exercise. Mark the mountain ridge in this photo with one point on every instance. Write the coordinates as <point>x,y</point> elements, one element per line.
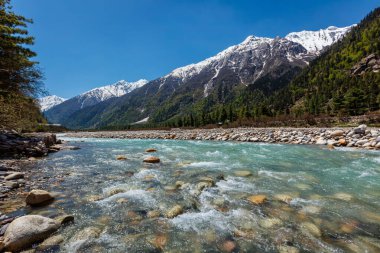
<point>268,63</point>
<point>90,98</point>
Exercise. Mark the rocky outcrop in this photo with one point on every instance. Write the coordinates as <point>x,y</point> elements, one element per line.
<point>15,145</point>
<point>370,63</point>
<point>26,230</point>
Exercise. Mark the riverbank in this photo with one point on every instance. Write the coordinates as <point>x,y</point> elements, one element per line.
<point>19,188</point>
<point>358,137</point>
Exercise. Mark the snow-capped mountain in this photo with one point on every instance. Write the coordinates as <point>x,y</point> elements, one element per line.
<point>265,64</point>
<point>316,41</point>
<point>100,94</point>
<point>49,101</point>
<point>92,97</point>
<point>251,59</point>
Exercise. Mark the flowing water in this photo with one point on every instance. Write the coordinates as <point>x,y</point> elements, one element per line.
<point>318,200</point>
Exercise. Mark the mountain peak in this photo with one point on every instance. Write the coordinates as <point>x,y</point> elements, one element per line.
<point>316,41</point>
<point>50,101</point>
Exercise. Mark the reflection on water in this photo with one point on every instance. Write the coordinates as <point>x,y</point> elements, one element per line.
<point>202,197</point>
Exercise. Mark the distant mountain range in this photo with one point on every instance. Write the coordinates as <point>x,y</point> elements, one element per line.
<point>56,108</point>
<point>265,64</point>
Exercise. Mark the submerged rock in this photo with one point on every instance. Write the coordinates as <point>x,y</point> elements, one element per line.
<point>151,150</point>
<point>287,249</point>
<point>284,198</point>
<point>14,176</point>
<point>257,199</point>
<point>50,243</point>
<point>152,159</point>
<point>174,211</point>
<point>65,219</point>
<point>243,173</point>
<point>38,197</point>
<point>343,196</point>
<point>121,158</point>
<point>270,222</point>
<point>29,229</point>
<point>311,228</point>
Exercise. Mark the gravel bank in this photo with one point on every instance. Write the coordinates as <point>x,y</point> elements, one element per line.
<point>359,137</point>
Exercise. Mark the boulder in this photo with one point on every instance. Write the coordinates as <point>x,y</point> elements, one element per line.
<point>360,129</point>
<point>14,176</point>
<point>27,230</point>
<point>38,197</point>
<point>257,199</point>
<point>337,133</point>
<point>151,150</point>
<point>152,159</point>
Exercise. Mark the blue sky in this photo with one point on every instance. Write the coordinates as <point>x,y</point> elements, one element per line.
<point>83,44</point>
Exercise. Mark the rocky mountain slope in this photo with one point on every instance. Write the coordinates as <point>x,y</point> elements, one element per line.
<point>266,64</point>
<point>62,111</point>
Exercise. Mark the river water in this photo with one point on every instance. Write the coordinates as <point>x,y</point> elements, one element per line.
<point>317,200</point>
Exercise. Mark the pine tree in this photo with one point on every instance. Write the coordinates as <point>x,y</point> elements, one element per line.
<point>20,79</point>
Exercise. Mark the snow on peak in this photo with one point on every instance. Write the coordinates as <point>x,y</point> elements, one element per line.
<point>117,89</point>
<point>315,41</point>
<point>250,43</point>
<point>49,101</point>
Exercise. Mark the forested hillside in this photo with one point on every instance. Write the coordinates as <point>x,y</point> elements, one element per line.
<point>20,79</point>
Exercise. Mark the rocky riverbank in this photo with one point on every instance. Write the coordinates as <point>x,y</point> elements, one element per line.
<point>359,137</point>
<point>18,154</point>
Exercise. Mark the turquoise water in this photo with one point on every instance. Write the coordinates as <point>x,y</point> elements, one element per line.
<point>318,200</point>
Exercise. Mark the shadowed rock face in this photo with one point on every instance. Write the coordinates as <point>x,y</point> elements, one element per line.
<point>26,230</point>
<point>370,63</point>
<point>13,144</point>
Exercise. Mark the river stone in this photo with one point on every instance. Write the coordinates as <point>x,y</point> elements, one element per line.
<point>243,173</point>
<point>87,234</point>
<point>311,228</point>
<point>287,249</point>
<point>65,219</point>
<point>29,229</point>
<point>174,211</point>
<point>14,176</point>
<point>257,199</point>
<point>342,142</point>
<point>12,185</point>
<point>270,222</point>
<point>152,159</point>
<point>209,180</point>
<point>228,246</point>
<point>321,141</point>
<point>153,214</point>
<point>50,243</point>
<point>343,196</point>
<point>337,133</point>
<point>121,158</point>
<point>284,198</point>
<point>151,150</point>
<point>38,197</point>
